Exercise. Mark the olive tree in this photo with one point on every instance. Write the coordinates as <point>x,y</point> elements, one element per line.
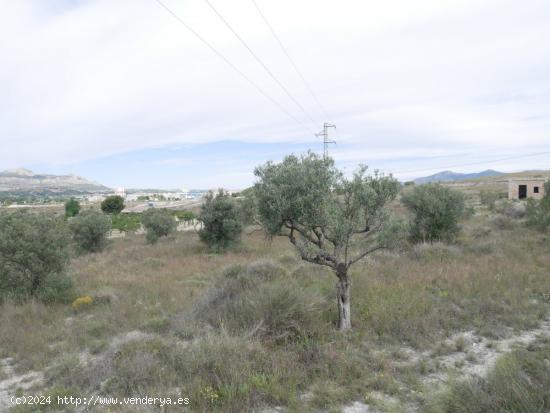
<point>331,220</point>
<point>437,210</point>
<point>158,223</point>
<point>90,229</point>
<point>113,204</point>
<point>72,208</point>
<point>221,225</point>
<point>33,252</point>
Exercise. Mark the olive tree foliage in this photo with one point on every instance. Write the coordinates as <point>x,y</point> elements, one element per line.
<point>113,204</point>
<point>33,255</point>
<point>331,220</point>
<point>158,223</point>
<point>72,208</point>
<point>437,210</point>
<point>221,225</point>
<point>90,229</point>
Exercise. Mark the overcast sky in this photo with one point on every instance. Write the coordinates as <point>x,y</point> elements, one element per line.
<point>122,93</point>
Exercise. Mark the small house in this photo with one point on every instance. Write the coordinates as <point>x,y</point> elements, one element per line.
<point>526,188</point>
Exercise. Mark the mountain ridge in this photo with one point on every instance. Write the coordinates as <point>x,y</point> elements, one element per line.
<point>450,176</point>
<point>25,181</point>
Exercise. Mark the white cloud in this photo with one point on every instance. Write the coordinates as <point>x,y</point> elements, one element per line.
<point>84,79</point>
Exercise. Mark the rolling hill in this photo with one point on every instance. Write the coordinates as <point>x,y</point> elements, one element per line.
<point>450,176</point>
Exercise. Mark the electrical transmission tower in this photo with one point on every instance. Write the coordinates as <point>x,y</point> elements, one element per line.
<point>324,134</point>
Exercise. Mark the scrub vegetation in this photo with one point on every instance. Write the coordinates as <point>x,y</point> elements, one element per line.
<point>440,326</point>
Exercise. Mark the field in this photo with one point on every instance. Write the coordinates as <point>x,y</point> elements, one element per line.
<point>436,328</point>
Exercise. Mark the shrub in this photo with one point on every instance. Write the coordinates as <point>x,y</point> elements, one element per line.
<point>56,288</point>
<point>220,220</point>
<point>90,229</point>
<point>33,254</point>
<point>185,216</point>
<point>512,209</point>
<point>84,301</point>
<point>127,222</point>
<point>158,223</point>
<point>489,198</point>
<point>112,204</point>
<point>502,222</point>
<point>436,210</point>
<point>72,208</point>
<point>261,300</point>
<point>538,213</point>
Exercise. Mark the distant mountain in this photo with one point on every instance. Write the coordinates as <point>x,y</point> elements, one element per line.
<point>450,176</point>
<point>23,181</point>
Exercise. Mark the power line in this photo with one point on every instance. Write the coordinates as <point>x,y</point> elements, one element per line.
<point>477,163</point>
<point>293,64</point>
<point>235,68</point>
<point>269,72</point>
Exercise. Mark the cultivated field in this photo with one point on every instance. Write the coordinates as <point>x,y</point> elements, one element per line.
<point>436,328</point>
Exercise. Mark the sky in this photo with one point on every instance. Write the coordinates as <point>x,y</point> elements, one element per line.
<point>122,93</point>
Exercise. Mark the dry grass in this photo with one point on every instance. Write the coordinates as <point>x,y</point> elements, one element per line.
<point>490,282</point>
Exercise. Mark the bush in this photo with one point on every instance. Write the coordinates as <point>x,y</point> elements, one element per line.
<point>489,198</point>
<point>33,255</point>
<point>502,222</point>
<point>512,209</point>
<point>538,213</point>
<point>261,300</point>
<point>127,222</point>
<point>72,208</point>
<point>112,204</point>
<point>158,223</point>
<point>56,288</point>
<point>185,216</point>
<point>220,220</point>
<point>90,229</point>
<point>436,210</point>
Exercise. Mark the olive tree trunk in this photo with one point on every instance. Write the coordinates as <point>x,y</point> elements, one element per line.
<point>343,296</point>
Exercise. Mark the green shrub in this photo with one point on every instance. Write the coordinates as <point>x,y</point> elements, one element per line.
<point>56,288</point>
<point>127,222</point>
<point>185,216</point>
<point>158,223</point>
<point>261,300</point>
<point>437,210</point>
<point>489,198</point>
<point>220,220</point>
<point>538,213</point>
<point>72,208</point>
<point>33,254</point>
<point>90,229</point>
<point>113,204</point>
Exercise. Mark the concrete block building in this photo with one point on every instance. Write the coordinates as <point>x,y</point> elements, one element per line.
<point>526,188</point>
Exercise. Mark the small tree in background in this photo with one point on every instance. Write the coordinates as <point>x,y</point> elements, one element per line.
<point>90,229</point>
<point>331,220</point>
<point>489,198</point>
<point>437,210</point>
<point>220,219</point>
<point>113,204</point>
<point>72,208</point>
<point>33,255</point>
<point>158,223</point>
